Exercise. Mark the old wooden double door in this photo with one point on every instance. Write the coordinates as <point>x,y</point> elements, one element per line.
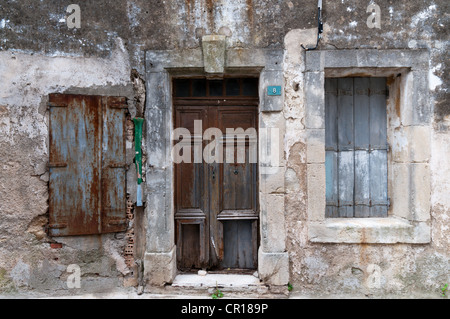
<point>216,198</point>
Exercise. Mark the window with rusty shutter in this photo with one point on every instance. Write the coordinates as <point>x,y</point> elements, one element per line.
<point>356,147</point>
<point>87,187</point>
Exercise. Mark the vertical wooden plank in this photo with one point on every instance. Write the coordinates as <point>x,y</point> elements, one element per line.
<point>238,244</point>
<point>331,114</point>
<point>331,147</point>
<point>191,197</point>
<point>378,115</point>
<point>361,106</point>
<point>242,181</point>
<point>362,184</point>
<point>228,187</point>
<point>345,114</point>
<point>378,183</point>
<point>331,177</point>
<point>255,242</point>
<point>378,144</point>
<point>245,248</point>
<point>346,183</point>
<point>113,152</point>
<point>230,240</point>
<point>190,236</point>
<point>75,140</point>
<point>215,180</point>
<point>345,147</point>
<point>362,141</point>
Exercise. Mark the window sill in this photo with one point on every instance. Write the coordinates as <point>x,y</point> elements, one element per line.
<point>389,230</point>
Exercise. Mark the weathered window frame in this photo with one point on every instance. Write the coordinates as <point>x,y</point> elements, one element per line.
<point>409,120</point>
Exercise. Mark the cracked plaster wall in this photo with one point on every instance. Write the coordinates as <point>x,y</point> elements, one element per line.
<point>40,55</point>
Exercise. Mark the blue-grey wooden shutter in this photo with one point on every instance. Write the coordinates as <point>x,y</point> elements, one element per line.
<point>356,147</point>
<point>113,152</point>
<point>87,172</point>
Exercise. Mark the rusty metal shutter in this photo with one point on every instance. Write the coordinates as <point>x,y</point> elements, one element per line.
<point>87,187</point>
<point>356,147</point>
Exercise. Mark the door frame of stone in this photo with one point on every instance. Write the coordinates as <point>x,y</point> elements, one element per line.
<point>161,66</point>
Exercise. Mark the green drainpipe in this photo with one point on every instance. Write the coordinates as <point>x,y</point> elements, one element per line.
<point>138,123</point>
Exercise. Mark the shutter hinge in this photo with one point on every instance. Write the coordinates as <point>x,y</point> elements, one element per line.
<point>117,222</point>
<point>118,105</point>
<point>118,165</point>
<point>50,104</point>
<point>57,226</point>
<point>56,164</point>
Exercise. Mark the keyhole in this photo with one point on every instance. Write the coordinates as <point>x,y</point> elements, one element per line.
<point>236,172</point>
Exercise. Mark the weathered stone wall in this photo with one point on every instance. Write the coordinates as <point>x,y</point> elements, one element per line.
<point>40,55</point>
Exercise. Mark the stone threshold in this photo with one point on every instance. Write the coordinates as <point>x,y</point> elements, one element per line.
<point>238,281</point>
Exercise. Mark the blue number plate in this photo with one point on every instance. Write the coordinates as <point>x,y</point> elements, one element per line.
<point>274,90</point>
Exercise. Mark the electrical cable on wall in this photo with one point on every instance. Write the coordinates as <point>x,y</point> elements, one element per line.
<point>319,27</point>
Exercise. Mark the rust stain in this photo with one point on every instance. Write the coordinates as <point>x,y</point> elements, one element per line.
<point>210,5</point>
<point>210,13</point>
<point>397,101</point>
<point>361,74</point>
<point>188,10</point>
<point>390,81</point>
<point>363,255</point>
<point>250,12</point>
<point>3,110</point>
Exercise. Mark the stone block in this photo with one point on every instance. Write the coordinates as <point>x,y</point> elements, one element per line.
<point>156,138</point>
<point>399,141</point>
<point>368,231</point>
<point>340,58</point>
<point>420,192</point>
<point>156,180</point>
<point>159,222</point>
<point>416,59</point>
<point>271,142</point>
<point>315,146</point>
<point>419,138</point>
<point>314,61</point>
<point>273,268</point>
<point>367,58</point>
<point>269,59</point>
<point>160,268</point>
<point>400,194</point>
<point>271,103</point>
<point>272,183</point>
<point>316,192</point>
<point>214,53</point>
<point>273,232</point>
<point>160,60</point>
<point>157,90</point>
<point>315,100</point>
<point>421,108</point>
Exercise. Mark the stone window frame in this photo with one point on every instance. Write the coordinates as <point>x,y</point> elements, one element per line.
<point>409,137</point>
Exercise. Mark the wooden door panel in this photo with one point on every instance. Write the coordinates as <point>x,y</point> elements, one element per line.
<point>238,187</point>
<point>216,206</point>
<point>239,244</point>
<point>191,197</point>
<point>236,211</point>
